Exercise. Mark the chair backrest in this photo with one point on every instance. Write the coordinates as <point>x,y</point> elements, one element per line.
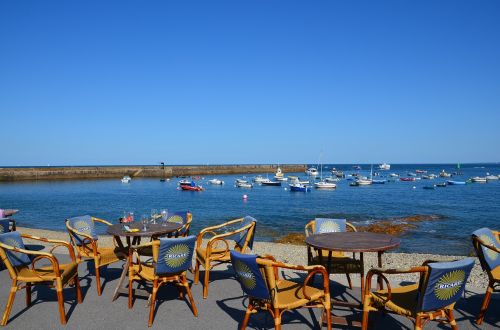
<point>323,225</point>
<point>174,255</point>
<point>181,217</point>
<point>83,224</point>
<point>489,258</point>
<point>249,275</point>
<point>444,283</point>
<point>15,259</point>
<point>4,225</point>
<point>246,236</point>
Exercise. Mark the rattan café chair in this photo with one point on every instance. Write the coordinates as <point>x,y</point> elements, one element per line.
<point>487,245</point>
<point>21,265</point>
<point>83,236</point>
<point>241,231</point>
<point>172,257</point>
<point>339,263</point>
<point>433,298</point>
<point>259,279</point>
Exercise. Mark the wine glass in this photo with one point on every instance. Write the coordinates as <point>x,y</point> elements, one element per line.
<point>154,214</point>
<point>144,221</point>
<point>164,216</point>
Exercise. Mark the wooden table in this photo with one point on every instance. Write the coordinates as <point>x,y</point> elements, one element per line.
<point>132,238</point>
<point>359,242</point>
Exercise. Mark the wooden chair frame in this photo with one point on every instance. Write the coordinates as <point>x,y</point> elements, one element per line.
<point>270,270</point>
<point>443,315</point>
<point>178,279</point>
<point>309,230</point>
<point>493,283</point>
<point>55,266</point>
<point>212,260</point>
<point>89,249</point>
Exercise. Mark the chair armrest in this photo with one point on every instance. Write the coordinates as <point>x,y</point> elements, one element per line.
<point>326,285</point>
<point>57,243</point>
<point>53,261</point>
<point>483,243</point>
<point>201,234</point>
<point>380,272</point>
<point>213,241</point>
<point>102,221</point>
<point>350,225</point>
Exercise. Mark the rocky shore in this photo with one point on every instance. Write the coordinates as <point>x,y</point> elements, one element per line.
<point>297,254</point>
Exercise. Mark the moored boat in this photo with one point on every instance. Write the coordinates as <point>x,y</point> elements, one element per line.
<point>126,179</point>
<point>312,171</point>
<point>364,181</point>
<point>490,177</point>
<point>478,179</point>
<point>379,181</point>
<point>279,176</point>
<point>185,182</point>
<point>332,179</point>
<point>394,175</point>
<point>384,167</point>
<point>268,182</point>
<point>420,171</point>
<point>430,187</point>
<point>455,183</point>
<point>241,181</point>
<point>324,185</point>
<point>443,174</point>
<point>243,185</point>
<point>407,179</point>
<point>259,179</point>
<point>191,187</point>
<point>297,186</point>
<point>441,184</point>
<point>216,181</point>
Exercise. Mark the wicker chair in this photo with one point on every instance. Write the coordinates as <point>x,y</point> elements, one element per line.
<point>259,279</point>
<point>21,264</point>
<point>211,255</point>
<point>172,257</point>
<point>7,225</point>
<point>339,262</point>
<point>433,298</point>
<point>487,245</point>
<point>184,218</point>
<point>83,236</point>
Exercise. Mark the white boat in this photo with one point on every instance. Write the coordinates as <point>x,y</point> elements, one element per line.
<point>478,179</point>
<point>126,179</point>
<point>259,179</point>
<point>216,182</point>
<point>443,174</point>
<point>279,176</point>
<point>364,181</point>
<point>324,185</point>
<point>243,185</point>
<point>491,177</point>
<point>312,171</point>
<point>384,167</point>
<point>304,181</point>
<point>241,181</point>
<point>394,175</point>
<point>331,179</point>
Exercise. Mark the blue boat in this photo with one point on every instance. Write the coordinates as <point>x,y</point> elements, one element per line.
<point>430,187</point>
<point>379,181</point>
<point>452,182</point>
<point>299,187</point>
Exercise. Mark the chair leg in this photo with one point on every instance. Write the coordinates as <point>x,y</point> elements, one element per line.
<point>130,292</point>
<point>10,302</point>
<point>484,305</point>
<point>78,289</point>
<point>197,272</point>
<point>60,300</point>
<point>328,318</point>
<point>205,281</point>
<point>277,319</point>
<point>247,316</point>
<point>451,319</point>
<point>98,279</point>
<point>418,323</point>
<point>190,296</point>
<point>153,302</point>
<point>349,280</point>
<point>366,315</point>
<point>28,294</point>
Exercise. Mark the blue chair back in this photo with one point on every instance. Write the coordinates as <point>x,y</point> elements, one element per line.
<point>14,239</point>
<point>323,225</point>
<point>241,237</point>
<point>491,257</point>
<point>4,225</point>
<point>445,283</point>
<point>175,255</point>
<point>180,217</point>
<point>83,224</point>
<point>248,274</point>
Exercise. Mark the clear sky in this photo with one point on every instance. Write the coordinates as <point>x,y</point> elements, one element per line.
<point>139,82</point>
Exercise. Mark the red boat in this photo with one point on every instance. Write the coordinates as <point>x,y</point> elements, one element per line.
<point>191,187</point>
<point>421,171</point>
<point>407,179</point>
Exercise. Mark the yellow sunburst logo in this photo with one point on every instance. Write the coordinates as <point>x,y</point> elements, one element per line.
<point>176,219</point>
<point>449,284</point>
<point>13,242</point>
<point>82,226</point>
<point>329,227</point>
<point>245,275</point>
<point>487,239</point>
<point>176,255</point>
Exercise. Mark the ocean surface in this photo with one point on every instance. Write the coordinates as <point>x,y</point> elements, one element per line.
<point>459,209</point>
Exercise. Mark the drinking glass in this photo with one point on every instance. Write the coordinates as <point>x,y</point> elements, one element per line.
<point>130,217</point>
<point>164,217</point>
<point>144,221</point>
<point>154,214</point>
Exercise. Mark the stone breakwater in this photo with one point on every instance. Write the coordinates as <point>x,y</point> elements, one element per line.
<point>152,171</point>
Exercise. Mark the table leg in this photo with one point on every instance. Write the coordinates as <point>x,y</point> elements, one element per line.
<point>119,288</point>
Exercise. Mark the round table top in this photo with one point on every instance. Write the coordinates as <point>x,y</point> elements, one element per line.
<point>353,241</point>
<point>152,229</point>
<point>10,212</point>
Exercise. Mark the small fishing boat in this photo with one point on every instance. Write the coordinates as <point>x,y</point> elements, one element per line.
<point>412,174</point>
<point>441,184</point>
<point>259,179</point>
<point>241,181</point>
<point>394,175</point>
<point>490,177</point>
<point>268,182</point>
<point>443,174</point>
<point>356,167</point>
<point>191,187</point>
<point>312,171</point>
<point>384,167</point>
<point>407,179</point>
<point>430,187</point>
<point>324,185</point>
<point>454,183</point>
<point>279,176</point>
<point>332,179</point>
<point>126,179</point>
<point>354,184</point>
<point>478,179</point>
<point>420,171</point>
<point>379,181</point>
<point>216,182</point>
<point>297,186</point>
<point>243,185</point>
<point>364,181</point>
<point>185,182</point>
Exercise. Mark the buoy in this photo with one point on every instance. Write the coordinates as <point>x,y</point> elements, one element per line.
<point>245,197</point>
<point>414,187</point>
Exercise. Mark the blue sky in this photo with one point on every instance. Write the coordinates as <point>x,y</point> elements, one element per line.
<point>134,82</point>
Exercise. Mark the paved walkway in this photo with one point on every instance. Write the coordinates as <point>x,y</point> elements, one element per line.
<point>223,309</point>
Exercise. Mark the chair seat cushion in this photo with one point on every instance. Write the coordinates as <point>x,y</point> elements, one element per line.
<point>146,272</point>
<point>107,255</point>
<point>215,255</point>
<point>46,274</point>
<point>339,265</point>
<point>289,294</point>
<point>404,299</point>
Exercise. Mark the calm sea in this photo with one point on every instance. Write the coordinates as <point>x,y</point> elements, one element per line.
<point>46,204</point>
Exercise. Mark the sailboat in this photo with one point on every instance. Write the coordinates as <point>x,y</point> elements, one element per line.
<point>323,184</point>
<point>364,181</point>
